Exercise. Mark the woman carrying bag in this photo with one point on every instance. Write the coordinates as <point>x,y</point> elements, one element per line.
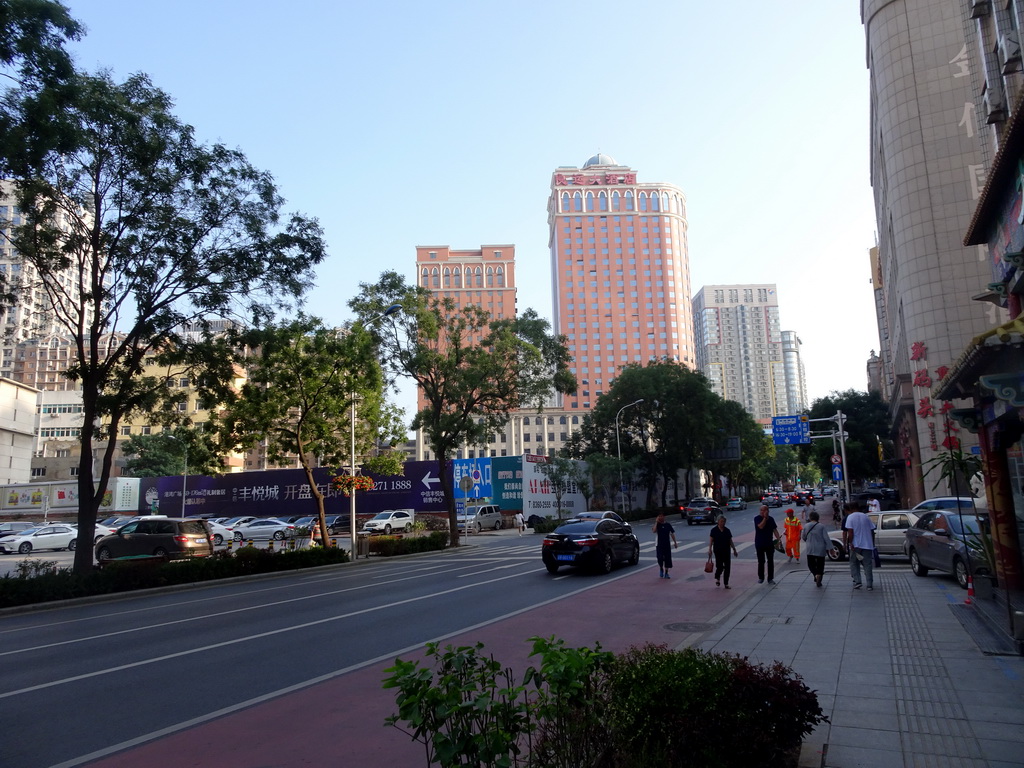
<point>720,544</point>
<point>818,544</point>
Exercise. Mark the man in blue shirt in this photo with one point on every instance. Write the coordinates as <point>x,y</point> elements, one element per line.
<point>766,530</point>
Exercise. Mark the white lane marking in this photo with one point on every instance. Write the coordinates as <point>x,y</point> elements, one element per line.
<point>485,570</point>
<point>81,760</point>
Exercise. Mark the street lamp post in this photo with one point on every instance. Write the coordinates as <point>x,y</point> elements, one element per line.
<point>618,444</point>
<point>352,424</point>
<point>184,474</point>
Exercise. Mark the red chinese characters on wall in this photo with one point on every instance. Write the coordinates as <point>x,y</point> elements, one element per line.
<point>562,179</point>
<point>926,408</point>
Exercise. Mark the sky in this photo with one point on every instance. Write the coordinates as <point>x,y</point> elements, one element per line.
<point>398,124</point>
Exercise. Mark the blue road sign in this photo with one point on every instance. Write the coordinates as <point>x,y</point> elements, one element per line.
<point>837,473</point>
<point>791,430</point>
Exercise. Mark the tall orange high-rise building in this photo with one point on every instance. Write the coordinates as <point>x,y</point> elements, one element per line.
<point>620,272</point>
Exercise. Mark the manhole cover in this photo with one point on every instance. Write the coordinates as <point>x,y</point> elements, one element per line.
<point>688,626</point>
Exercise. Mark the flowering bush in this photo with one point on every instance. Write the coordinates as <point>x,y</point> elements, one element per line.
<point>348,483</point>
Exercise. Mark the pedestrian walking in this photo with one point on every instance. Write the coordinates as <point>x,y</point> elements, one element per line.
<point>766,532</point>
<point>859,538</point>
<point>818,545</point>
<point>520,522</point>
<point>720,544</point>
<point>662,550</point>
<point>793,528</point>
<point>836,518</point>
<point>874,506</point>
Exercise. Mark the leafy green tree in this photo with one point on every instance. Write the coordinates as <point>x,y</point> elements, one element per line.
<point>472,371</point>
<point>171,453</point>
<point>733,420</point>
<point>867,421</point>
<point>303,382</point>
<point>159,233</point>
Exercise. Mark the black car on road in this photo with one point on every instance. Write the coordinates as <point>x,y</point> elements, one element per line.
<point>597,544</point>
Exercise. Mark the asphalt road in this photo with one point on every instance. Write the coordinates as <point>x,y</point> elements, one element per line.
<point>92,682</point>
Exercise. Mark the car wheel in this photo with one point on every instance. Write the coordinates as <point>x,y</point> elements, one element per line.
<point>387,528</point>
<point>218,539</point>
<point>408,527</point>
<point>159,552</point>
<point>607,563</point>
<point>835,553</point>
<point>72,544</point>
<point>103,553</point>
<point>689,522</point>
<point>552,567</point>
<point>915,564</point>
<point>634,558</point>
<point>238,536</point>
<point>478,527</point>
<point>279,535</point>
<point>960,571</point>
<point>25,548</point>
<point>497,524</point>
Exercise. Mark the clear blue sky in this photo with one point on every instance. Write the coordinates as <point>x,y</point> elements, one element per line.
<point>410,123</point>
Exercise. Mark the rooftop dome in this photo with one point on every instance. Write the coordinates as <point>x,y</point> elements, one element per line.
<point>600,159</point>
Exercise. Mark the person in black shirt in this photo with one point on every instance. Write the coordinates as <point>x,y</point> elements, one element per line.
<point>720,544</point>
<point>665,533</point>
<point>765,530</point>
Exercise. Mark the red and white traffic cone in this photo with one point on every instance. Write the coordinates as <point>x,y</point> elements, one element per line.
<point>970,590</point>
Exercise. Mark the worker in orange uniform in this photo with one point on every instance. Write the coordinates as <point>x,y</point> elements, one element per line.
<point>793,527</point>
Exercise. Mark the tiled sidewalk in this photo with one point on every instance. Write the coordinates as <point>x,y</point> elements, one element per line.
<point>901,680</point>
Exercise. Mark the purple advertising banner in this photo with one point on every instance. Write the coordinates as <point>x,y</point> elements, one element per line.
<point>285,492</point>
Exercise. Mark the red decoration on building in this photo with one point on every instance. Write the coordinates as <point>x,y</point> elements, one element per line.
<point>941,371</point>
<point>918,351</point>
<point>946,407</point>
<point>630,178</point>
<point>951,443</point>
<point>593,179</point>
<point>922,379</point>
<point>925,409</point>
<point>578,178</point>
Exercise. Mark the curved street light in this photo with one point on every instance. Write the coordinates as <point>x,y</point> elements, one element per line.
<point>352,423</point>
<point>184,474</point>
<point>618,444</point>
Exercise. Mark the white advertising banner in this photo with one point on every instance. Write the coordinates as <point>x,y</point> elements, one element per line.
<point>539,491</point>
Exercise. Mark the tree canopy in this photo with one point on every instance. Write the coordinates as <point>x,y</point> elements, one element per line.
<point>472,371</point>
<point>140,229</point>
<point>867,423</point>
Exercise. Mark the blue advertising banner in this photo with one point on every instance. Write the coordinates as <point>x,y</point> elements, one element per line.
<point>286,492</point>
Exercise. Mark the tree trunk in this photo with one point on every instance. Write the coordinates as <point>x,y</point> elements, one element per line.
<point>449,497</point>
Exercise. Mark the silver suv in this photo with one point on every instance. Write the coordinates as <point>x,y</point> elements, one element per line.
<point>478,518</point>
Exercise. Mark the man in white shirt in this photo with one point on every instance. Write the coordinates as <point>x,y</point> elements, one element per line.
<point>859,538</point>
<point>874,505</point>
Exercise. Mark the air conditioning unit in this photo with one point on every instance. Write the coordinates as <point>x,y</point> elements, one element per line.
<point>979,8</point>
<point>1009,52</point>
<point>995,108</point>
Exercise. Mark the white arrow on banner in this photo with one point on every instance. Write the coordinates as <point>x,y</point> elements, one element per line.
<point>429,480</point>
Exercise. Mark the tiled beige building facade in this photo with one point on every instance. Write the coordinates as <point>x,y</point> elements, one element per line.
<point>927,170</point>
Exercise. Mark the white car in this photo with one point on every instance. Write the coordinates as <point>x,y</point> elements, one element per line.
<point>263,529</point>
<point>219,533</point>
<point>44,537</point>
<point>949,502</point>
<point>390,520</point>
<point>890,533</point>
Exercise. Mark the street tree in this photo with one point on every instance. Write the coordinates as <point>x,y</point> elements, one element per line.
<point>867,424</point>
<point>171,452</point>
<point>472,371</point>
<point>141,229</point>
<point>731,419</point>
<point>303,382</point>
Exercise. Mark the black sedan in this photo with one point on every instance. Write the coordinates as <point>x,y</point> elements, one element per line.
<point>596,544</point>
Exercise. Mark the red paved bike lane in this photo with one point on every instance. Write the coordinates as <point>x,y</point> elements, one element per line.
<point>341,721</point>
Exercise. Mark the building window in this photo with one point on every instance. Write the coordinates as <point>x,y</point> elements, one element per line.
<point>73,471</point>
<point>38,471</point>
<point>62,453</point>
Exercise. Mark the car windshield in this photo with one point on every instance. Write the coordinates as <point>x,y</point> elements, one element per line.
<point>383,516</point>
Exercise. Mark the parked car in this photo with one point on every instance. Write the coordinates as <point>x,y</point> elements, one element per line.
<point>219,533</point>
<point>478,518</point>
<point>939,541</point>
<point>116,521</point>
<point>735,504</point>
<point>43,537</point>
<point>15,526</point>
<point>390,520</point>
<point>949,502</point>
<point>234,522</point>
<point>771,500</point>
<point>590,543</point>
<point>702,511</point>
<point>263,529</point>
<point>171,538</point>
<point>890,533</point>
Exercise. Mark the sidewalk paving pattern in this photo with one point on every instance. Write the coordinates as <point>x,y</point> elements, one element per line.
<point>901,679</point>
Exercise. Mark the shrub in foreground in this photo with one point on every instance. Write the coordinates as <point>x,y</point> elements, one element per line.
<point>62,584</point>
<point>389,546</point>
<point>650,706</point>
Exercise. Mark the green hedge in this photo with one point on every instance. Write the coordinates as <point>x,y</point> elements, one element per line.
<point>40,585</point>
<point>389,546</point>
